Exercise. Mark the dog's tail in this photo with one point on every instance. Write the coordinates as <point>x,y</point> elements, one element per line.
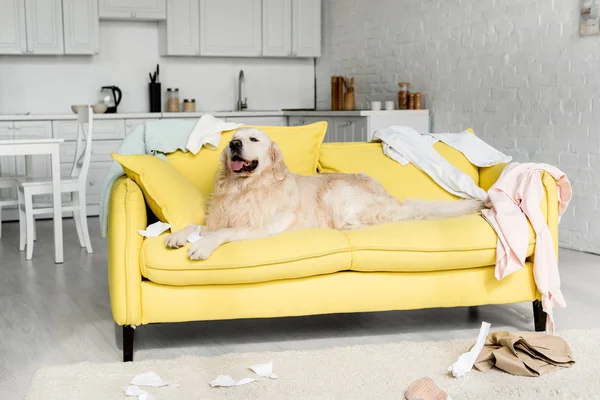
<point>421,209</point>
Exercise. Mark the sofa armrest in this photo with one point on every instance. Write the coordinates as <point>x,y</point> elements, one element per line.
<point>549,206</point>
<point>127,214</point>
<point>489,175</point>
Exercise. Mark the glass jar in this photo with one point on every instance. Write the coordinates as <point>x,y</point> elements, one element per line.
<point>403,96</point>
<point>172,99</point>
<point>189,105</point>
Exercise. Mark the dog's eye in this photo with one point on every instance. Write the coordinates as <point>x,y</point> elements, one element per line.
<point>253,139</point>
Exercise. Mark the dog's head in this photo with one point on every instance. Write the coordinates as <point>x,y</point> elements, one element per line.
<point>251,153</point>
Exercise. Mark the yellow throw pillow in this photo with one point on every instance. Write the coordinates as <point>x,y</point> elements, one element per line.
<point>170,195</point>
<point>300,146</point>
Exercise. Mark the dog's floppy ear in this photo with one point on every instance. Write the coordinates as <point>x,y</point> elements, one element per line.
<point>224,172</point>
<point>279,168</point>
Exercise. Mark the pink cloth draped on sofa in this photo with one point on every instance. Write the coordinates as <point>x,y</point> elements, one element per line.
<point>514,199</point>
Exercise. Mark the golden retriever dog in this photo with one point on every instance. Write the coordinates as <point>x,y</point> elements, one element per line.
<point>255,196</point>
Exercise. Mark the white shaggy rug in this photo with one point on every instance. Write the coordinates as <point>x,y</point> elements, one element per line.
<point>354,372</point>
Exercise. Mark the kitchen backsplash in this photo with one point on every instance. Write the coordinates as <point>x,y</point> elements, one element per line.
<point>128,51</point>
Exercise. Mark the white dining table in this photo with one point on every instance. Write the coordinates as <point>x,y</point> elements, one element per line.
<point>43,146</point>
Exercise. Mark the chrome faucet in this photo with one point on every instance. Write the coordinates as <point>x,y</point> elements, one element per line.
<point>241,106</point>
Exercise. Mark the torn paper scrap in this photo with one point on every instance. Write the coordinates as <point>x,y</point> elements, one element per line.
<point>154,230</point>
<point>265,369</point>
<point>135,391</point>
<point>194,236</point>
<point>151,379</point>
<point>466,360</point>
<point>227,381</point>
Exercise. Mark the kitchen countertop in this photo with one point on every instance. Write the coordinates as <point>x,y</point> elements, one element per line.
<point>219,114</point>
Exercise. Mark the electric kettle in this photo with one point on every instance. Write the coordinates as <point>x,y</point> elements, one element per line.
<point>111,96</point>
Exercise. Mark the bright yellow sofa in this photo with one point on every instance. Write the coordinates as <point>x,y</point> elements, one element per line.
<point>398,266</point>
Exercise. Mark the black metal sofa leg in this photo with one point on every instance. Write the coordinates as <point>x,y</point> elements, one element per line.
<point>128,332</point>
<point>539,316</point>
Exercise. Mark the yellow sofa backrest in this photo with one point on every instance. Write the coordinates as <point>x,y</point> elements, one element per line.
<point>401,182</point>
<point>299,145</point>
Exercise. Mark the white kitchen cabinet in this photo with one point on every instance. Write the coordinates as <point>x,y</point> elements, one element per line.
<point>101,150</point>
<point>44,26</point>
<point>143,10</point>
<point>359,126</point>
<point>81,26</point>
<point>349,129</point>
<point>179,35</point>
<point>8,164</point>
<point>259,121</point>
<point>230,28</point>
<point>277,27</point>
<point>131,124</point>
<point>13,34</point>
<point>107,129</point>
<point>306,28</point>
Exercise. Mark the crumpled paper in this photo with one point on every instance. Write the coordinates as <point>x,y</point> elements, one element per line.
<point>227,381</point>
<point>151,379</point>
<point>265,369</point>
<point>154,230</point>
<point>466,360</point>
<point>194,236</point>
<point>146,379</point>
<point>134,391</point>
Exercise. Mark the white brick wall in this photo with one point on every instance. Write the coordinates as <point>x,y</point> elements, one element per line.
<point>516,71</point>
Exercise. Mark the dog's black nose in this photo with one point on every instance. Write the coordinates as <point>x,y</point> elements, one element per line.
<point>235,144</point>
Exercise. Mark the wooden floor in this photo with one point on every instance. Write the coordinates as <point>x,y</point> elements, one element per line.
<point>60,314</point>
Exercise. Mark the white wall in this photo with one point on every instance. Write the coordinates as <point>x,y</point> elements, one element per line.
<point>128,52</point>
<point>516,71</point>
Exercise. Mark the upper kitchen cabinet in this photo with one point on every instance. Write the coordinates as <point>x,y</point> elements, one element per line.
<point>277,27</point>
<point>291,28</point>
<point>13,36</point>
<point>180,33</point>
<point>44,26</point>
<point>230,28</point>
<point>306,28</point>
<point>81,26</point>
<point>143,10</point>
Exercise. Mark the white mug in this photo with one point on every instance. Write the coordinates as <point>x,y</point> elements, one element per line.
<point>375,105</point>
<point>389,105</point>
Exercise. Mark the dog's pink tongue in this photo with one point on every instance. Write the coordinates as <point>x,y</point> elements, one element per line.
<point>237,165</point>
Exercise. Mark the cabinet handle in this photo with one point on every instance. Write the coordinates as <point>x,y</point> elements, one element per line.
<point>129,124</point>
<point>17,127</point>
<point>348,123</point>
<point>24,51</point>
<point>301,122</point>
<point>92,182</point>
<point>132,15</point>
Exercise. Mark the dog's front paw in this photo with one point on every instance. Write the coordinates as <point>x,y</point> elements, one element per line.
<point>202,249</point>
<point>176,240</point>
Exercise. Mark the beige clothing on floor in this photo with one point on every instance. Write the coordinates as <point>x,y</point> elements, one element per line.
<point>524,353</point>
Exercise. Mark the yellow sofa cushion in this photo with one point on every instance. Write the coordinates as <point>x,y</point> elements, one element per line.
<point>401,182</point>
<point>288,255</point>
<point>169,194</point>
<point>426,245</point>
<point>299,145</point>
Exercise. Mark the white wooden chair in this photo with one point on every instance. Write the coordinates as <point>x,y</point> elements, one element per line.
<point>7,183</point>
<point>75,185</point>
